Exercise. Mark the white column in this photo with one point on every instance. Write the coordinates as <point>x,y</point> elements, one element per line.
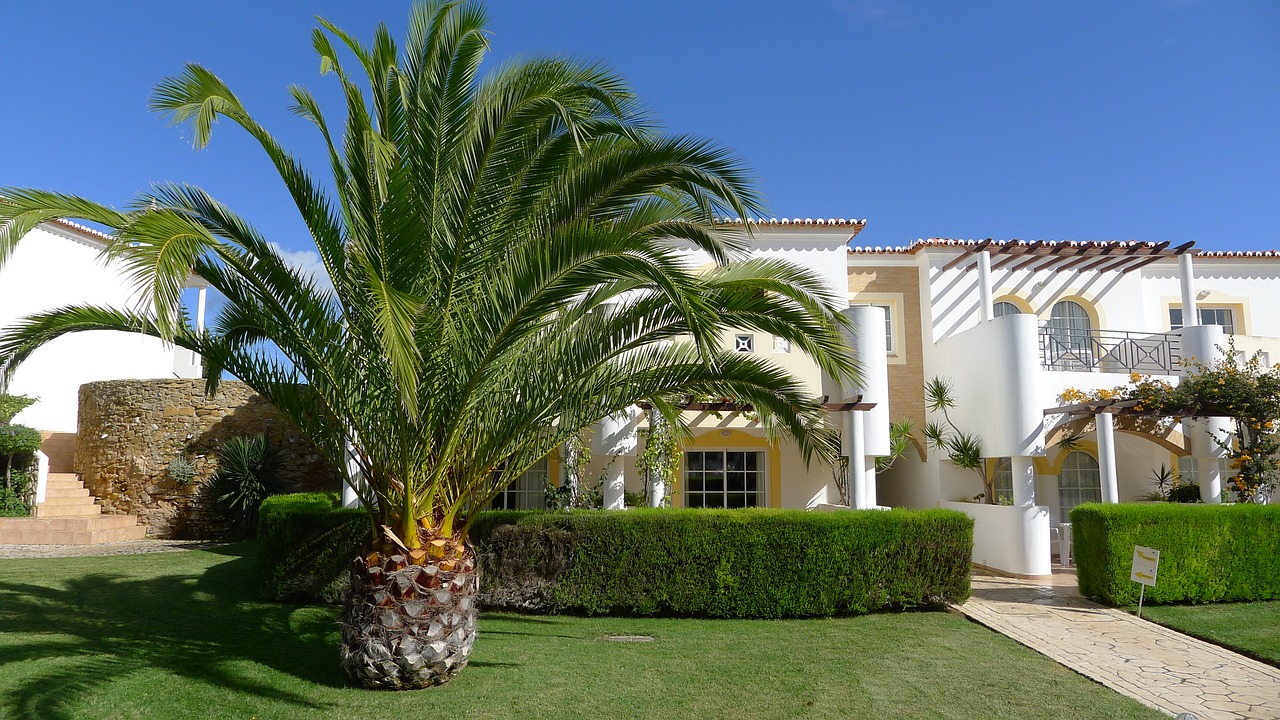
<point>1187,280</point>
<point>1024,481</point>
<point>987,305</point>
<point>1208,454</point>
<point>1107,458</point>
<point>869,481</point>
<point>201,297</point>
<point>616,437</point>
<point>857,464</point>
<point>614,483</point>
<point>350,498</point>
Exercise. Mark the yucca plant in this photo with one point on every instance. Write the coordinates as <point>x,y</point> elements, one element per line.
<point>248,471</point>
<point>512,260</point>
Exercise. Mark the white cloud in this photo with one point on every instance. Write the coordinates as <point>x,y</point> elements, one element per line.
<point>308,262</point>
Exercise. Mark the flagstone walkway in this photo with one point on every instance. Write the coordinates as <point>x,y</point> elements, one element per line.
<point>1160,668</point>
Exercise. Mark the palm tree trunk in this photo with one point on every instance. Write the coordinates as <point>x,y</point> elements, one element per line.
<point>407,625</point>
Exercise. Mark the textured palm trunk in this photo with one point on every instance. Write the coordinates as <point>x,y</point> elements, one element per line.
<point>409,625</point>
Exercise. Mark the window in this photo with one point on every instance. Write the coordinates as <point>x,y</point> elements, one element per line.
<point>1078,482</point>
<point>888,324</point>
<point>528,492</point>
<point>1208,316</point>
<point>723,479</point>
<point>744,343</point>
<point>1003,308</point>
<point>1187,470</point>
<point>781,344</point>
<point>1002,479</point>
<point>1070,336</point>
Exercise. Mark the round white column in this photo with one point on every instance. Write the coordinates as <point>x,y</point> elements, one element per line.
<point>1024,480</point>
<point>1107,458</point>
<point>617,437</point>
<point>986,305</point>
<point>857,463</point>
<point>1187,283</point>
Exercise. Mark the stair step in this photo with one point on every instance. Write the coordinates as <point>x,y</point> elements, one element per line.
<point>47,510</point>
<point>61,500</point>
<point>70,530</point>
<point>66,492</point>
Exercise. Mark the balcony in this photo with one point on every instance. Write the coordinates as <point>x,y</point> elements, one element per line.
<point>1109,351</point>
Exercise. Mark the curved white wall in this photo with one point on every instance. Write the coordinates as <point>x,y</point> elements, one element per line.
<point>50,268</point>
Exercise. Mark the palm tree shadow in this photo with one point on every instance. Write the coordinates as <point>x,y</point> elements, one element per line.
<point>202,627</point>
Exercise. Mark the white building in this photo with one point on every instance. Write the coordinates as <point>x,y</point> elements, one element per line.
<point>1010,326</point>
<point>56,265</point>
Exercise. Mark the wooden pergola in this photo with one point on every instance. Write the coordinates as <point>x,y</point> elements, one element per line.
<point>730,406</point>
<point>1120,256</point>
<point>1129,408</point>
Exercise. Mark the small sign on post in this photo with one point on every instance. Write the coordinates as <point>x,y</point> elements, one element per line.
<point>1146,565</point>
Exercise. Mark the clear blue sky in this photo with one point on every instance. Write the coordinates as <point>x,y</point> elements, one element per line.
<point>1151,119</point>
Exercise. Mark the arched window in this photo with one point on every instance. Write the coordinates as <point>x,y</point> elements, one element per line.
<point>1070,343</point>
<point>1078,482</point>
<point>1004,307</point>
<point>1002,480</point>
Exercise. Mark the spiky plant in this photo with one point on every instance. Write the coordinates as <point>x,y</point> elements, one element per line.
<point>248,471</point>
<point>511,259</point>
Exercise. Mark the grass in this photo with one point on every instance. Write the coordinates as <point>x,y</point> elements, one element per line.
<point>1251,628</point>
<point>184,634</point>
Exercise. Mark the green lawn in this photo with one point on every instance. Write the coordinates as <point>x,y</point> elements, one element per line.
<point>183,635</point>
<point>1250,628</point>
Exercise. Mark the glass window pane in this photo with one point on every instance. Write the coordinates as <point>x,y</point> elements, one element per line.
<point>736,500</point>
<point>1175,318</point>
<point>693,482</point>
<point>713,483</point>
<point>735,460</point>
<point>694,500</point>
<point>693,461</point>
<point>714,461</point>
<point>737,482</point>
<point>752,459</point>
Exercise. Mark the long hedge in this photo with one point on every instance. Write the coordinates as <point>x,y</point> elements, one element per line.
<point>708,563</point>
<point>1208,553</point>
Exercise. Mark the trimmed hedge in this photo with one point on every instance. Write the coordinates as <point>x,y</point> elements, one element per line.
<point>708,563</point>
<point>306,542</point>
<point>1208,553</point>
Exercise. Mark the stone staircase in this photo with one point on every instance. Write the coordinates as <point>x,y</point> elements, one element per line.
<point>69,516</point>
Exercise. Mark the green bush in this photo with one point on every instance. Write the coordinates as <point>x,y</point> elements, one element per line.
<point>710,563</point>
<point>758,563</point>
<point>14,494</point>
<point>18,440</point>
<point>306,542</point>
<point>1208,553</point>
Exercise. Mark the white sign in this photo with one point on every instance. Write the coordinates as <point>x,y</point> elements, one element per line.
<point>1145,564</point>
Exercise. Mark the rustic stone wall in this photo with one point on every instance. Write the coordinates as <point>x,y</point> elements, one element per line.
<point>130,430</point>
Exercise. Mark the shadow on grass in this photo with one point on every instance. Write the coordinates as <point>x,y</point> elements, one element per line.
<point>201,626</point>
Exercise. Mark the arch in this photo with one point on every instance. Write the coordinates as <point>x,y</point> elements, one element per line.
<point>1079,481</point>
<point>1020,303</point>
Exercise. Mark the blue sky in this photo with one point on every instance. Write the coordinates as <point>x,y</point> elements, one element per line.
<point>1151,119</point>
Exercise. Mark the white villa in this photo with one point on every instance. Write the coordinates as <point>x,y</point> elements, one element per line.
<point>1009,325</point>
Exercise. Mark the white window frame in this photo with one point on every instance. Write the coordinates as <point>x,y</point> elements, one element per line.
<point>1002,479</point>
<point>527,492</point>
<point>1077,490</point>
<point>781,345</point>
<point>762,476</point>
<point>995,309</point>
<point>1228,327</point>
<point>744,343</point>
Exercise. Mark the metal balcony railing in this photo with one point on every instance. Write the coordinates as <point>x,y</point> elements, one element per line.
<point>1072,349</point>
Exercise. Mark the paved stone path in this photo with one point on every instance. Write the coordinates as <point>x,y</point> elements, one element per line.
<point>1163,669</point>
<point>131,547</point>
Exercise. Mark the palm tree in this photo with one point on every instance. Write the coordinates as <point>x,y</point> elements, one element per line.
<point>510,260</point>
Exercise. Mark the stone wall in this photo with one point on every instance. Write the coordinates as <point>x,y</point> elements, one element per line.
<point>130,430</point>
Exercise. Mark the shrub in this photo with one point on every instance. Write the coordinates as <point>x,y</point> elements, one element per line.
<point>180,471</point>
<point>306,542</point>
<point>248,471</point>
<point>758,563</point>
<point>15,494</point>
<point>711,563</point>
<point>1208,553</point>
<point>1185,493</point>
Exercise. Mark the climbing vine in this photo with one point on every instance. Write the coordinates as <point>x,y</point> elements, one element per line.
<point>658,461</point>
